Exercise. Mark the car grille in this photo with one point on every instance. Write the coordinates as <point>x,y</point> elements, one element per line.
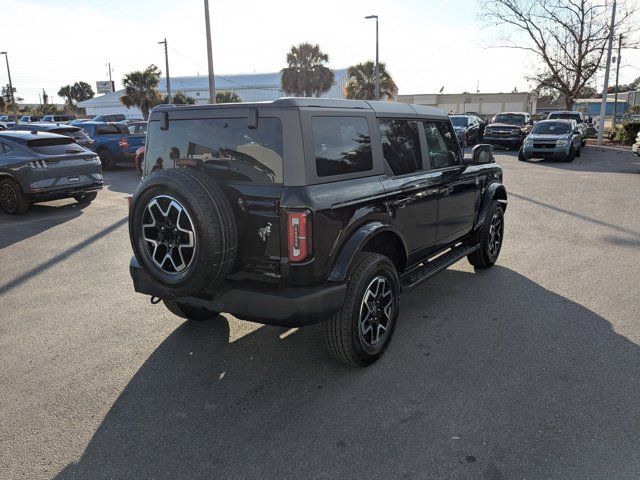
<point>544,145</point>
<point>503,131</point>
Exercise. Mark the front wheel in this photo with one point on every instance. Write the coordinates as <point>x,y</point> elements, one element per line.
<point>521,156</point>
<point>359,333</point>
<point>190,312</point>
<point>489,237</point>
<point>571,155</point>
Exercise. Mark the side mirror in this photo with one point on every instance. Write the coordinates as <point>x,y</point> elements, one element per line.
<point>482,153</point>
<point>531,122</point>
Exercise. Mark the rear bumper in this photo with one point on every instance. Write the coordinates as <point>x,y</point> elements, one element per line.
<point>255,301</point>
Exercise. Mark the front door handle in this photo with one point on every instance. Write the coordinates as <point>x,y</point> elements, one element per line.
<point>447,191</point>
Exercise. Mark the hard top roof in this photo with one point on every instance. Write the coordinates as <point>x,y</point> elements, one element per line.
<point>379,107</point>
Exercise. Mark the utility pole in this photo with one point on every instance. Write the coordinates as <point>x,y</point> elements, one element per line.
<point>376,73</point>
<point>13,100</point>
<point>113,88</point>
<point>605,87</point>
<point>212,82</point>
<point>166,59</point>
<point>615,98</point>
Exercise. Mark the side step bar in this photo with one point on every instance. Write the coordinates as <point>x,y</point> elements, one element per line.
<point>427,269</point>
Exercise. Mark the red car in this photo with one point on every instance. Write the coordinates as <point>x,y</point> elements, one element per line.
<point>139,158</point>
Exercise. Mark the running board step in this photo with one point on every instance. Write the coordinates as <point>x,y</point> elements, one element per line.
<point>415,276</point>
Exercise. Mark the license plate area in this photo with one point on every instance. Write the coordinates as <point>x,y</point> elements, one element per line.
<point>73,179</point>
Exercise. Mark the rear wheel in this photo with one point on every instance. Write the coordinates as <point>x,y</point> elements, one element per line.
<point>489,237</point>
<point>359,333</point>
<point>107,160</point>
<point>190,312</point>
<point>12,200</point>
<point>86,197</point>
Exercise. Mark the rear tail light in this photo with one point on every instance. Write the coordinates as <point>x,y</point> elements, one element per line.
<point>37,164</point>
<point>91,142</point>
<point>299,236</point>
<point>123,142</point>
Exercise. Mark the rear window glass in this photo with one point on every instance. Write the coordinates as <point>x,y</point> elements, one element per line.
<point>401,145</point>
<point>235,152</point>
<point>565,116</point>
<point>341,145</point>
<point>54,146</point>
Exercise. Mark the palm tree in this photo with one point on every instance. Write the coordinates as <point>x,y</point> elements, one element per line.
<point>180,98</point>
<point>227,96</point>
<point>361,82</point>
<point>141,89</point>
<point>306,74</point>
<point>65,92</point>
<point>81,91</point>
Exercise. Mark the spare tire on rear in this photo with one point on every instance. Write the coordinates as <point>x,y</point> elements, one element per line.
<point>183,231</point>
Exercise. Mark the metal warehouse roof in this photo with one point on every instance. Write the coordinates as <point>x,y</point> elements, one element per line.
<point>238,83</point>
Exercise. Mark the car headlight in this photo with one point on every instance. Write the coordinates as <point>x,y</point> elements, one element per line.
<point>562,142</point>
<point>528,141</point>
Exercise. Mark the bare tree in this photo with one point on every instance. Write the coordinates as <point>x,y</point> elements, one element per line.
<point>567,37</point>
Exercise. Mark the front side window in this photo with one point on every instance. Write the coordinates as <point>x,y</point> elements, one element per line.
<point>107,130</point>
<point>442,144</point>
<point>401,145</point>
<point>226,146</point>
<point>341,145</point>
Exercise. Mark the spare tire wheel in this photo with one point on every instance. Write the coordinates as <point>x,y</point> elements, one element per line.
<point>183,231</point>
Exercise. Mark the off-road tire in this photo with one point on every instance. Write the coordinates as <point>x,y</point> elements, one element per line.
<point>85,198</point>
<point>342,329</point>
<point>213,223</point>
<point>190,312</point>
<point>12,200</point>
<point>483,257</point>
<point>107,160</point>
<point>579,151</point>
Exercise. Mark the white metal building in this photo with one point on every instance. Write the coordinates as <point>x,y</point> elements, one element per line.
<point>477,103</point>
<point>251,87</point>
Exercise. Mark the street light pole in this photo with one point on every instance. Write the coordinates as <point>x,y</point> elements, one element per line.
<point>605,87</point>
<point>166,59</point>
<point>212,81</point>
<point>377,74</point>
<point>13,100</point>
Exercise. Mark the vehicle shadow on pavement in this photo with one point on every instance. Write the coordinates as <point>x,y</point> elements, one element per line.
<point>124,179</point>
<point>39,218</point>
<point>597,160</point>
<point>489,376</point>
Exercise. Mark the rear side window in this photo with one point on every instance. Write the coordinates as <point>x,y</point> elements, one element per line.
<point>226,146</point>
<point>54,146</point>
<point>442,144</point>
<point>107,130</point>
<point>401,145</point>
<point>341,145</point>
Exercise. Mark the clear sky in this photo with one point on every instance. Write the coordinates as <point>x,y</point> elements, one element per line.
<point>426,44</point>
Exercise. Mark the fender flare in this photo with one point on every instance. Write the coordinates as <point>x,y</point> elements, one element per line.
<point>495,190</point>
<point>355,243</point>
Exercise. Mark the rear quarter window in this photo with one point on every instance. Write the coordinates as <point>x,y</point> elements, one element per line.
<point>227,147</point>
<point>341,145</point>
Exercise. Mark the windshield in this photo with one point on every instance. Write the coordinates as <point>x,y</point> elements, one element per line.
<point>509,118</point>
<point>551,128</point>
<point>459,121</point>
<point>566,116</point>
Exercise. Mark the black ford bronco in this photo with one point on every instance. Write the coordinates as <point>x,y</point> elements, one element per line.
<point>303,210</point>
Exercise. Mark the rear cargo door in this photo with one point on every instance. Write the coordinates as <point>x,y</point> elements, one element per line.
<point>245,157</point>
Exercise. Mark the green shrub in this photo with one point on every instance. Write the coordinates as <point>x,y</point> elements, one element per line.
<point>629,132</point>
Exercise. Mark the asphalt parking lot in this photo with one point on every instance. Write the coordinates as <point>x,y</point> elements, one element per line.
<point>530,370</point>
